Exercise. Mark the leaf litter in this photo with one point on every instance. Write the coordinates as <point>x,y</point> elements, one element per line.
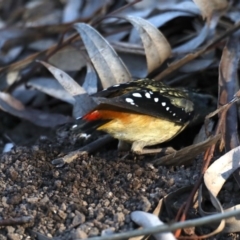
<point>95,194</point>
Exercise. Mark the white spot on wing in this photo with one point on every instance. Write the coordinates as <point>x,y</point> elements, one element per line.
<point>117,85</point>
<point>85,135</point>
<point>163,104</point>
<point>74,126</point>
<point>129,100</point>
<point>167,108</point>
<point>137,95</point>
<point>147,95</point>
<point>174,114</point>
<point>156,99</point>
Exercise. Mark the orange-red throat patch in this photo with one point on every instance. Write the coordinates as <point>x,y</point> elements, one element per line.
<point>92,116</point>
<point>107,115</point>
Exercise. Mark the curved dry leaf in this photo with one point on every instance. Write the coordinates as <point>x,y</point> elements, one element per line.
<point>228,225</point>
<point>83,102</point>
<point>65,80</point>
<point>172,201</point>
<point>209,7</point>
<point>156,46</point>
<point>216,175</point>
<point>51,87</point>
<point>108,65</point>
<point>166,15</point>
<point>233,223</point>
<point>16,108</point>
<point>147,220</point>
<point>165,12</point>
<point>171,227</point>
<point>166,204</point>
<point>218,226</point>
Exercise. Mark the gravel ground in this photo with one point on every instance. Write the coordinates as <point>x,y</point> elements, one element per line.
<point>89,197</point>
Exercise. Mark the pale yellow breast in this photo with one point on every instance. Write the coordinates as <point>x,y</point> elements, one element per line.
<point>134,127</point>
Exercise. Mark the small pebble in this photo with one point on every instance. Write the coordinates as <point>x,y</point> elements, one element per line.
<point>93,232</point>
<point>79,218</point>
<point>79,234</point>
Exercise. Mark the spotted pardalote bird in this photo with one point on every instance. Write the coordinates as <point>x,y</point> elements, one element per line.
<point>144,113</point>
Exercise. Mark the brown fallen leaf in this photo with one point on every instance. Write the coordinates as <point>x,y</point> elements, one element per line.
<point>107,63</point>
<point>186,154</point>
<point>156,46</point>
<point>209,7</point>
<point>214,179</point>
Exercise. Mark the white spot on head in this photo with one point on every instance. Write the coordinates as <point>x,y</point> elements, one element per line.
<point>137,95</point>
<point>129,100</point>
<point>156,99</point>
<point>167,108</point>
<point>147,95</point>
<point>163,104</point>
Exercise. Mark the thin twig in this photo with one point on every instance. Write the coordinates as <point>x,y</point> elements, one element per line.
<point>16,221</point>
<point>169,228</point>
<point>85,150</point>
